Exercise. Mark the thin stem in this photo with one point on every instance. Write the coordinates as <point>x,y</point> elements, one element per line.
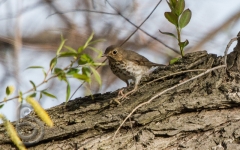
<point>179,40</point>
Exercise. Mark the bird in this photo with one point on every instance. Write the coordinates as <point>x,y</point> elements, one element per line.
<point>127,64</point>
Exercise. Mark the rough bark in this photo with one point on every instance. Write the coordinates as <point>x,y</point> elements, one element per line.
<point>201,114</point>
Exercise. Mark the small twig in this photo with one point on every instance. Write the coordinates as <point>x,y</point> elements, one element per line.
<point>162,92</point>
<point>226,50</point>
<point>83,10</point>
<point>137,27</point>
<point>169,75</point>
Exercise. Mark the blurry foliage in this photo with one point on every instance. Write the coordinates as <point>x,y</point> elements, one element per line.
<point>80,67</point>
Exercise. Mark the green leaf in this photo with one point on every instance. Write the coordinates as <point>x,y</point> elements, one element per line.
<point>96,41</point>
<point>9,90</point>
<point>85,58</point>
<point>80,62</point>
<point>80,49</point>
<point>57,70</point>
<point>53,63</point>
<point>72,71</point>
<point>33,94</point>
<point>185,18</point>
<point>70,49</point>
<point>97,51</point>
<point>179,7</point>
<point>48,94</point>
<point>44,73</point>
<point>171,7</point>
<point>1,106</point>
<point>168,33</point>
<point>35,67</point>
<point>60,73</point>
<point>171,17</point>
<point>88,41</point>
<point>61,46</point>
<point>183,44</point>
<point>174,60</point>
<point>34,86</point>
<point>81,77</point>
<point>96,75</point>
<point>40,95</point>
<point>62,76</point>
<point>86,71</point>
<point>68,91</point>
<point>67,54</point>
<point>173,3</point>
<point>62,39</point>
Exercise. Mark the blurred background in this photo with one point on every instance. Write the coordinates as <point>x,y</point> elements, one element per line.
<point>30,33</point>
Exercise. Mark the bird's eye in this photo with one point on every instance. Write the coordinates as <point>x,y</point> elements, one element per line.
<point>114,52</point>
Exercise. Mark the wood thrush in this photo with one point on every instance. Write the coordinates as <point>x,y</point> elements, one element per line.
<point>127,64</point>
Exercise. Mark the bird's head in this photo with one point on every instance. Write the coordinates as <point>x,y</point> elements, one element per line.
<point>114,52</point>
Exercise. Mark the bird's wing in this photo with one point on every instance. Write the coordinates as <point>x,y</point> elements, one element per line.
<point>139,59</point>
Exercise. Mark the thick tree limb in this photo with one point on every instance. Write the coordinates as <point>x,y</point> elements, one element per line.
<point>201,114</point>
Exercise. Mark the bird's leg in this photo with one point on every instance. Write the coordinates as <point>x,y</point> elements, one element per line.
<point>120,92</point>
<point>124,96</point>
<point>137,80</point>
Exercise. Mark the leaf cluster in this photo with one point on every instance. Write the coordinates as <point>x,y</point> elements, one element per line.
<point>81,67</point>
<point>180,19</point>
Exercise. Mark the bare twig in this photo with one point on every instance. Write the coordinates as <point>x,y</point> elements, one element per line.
<point>118,13</point>
<point>161,93</point>
<point>138,27</point>
<point>169,75</point>
<point>83,10</point>
<point>65,18</point>
<point>226,50</point>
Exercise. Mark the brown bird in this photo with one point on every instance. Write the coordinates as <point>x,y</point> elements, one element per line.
<point>127,64</point>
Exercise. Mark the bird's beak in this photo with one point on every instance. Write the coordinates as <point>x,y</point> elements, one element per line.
<point>104,55</point>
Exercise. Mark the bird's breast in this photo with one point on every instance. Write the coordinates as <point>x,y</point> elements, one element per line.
<point>127,69</point>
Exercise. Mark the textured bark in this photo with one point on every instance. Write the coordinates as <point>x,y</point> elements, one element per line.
<point>201,114</point>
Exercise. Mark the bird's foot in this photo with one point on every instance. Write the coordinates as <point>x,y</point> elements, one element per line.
<point>121,95</point>
<point>125,95</point>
